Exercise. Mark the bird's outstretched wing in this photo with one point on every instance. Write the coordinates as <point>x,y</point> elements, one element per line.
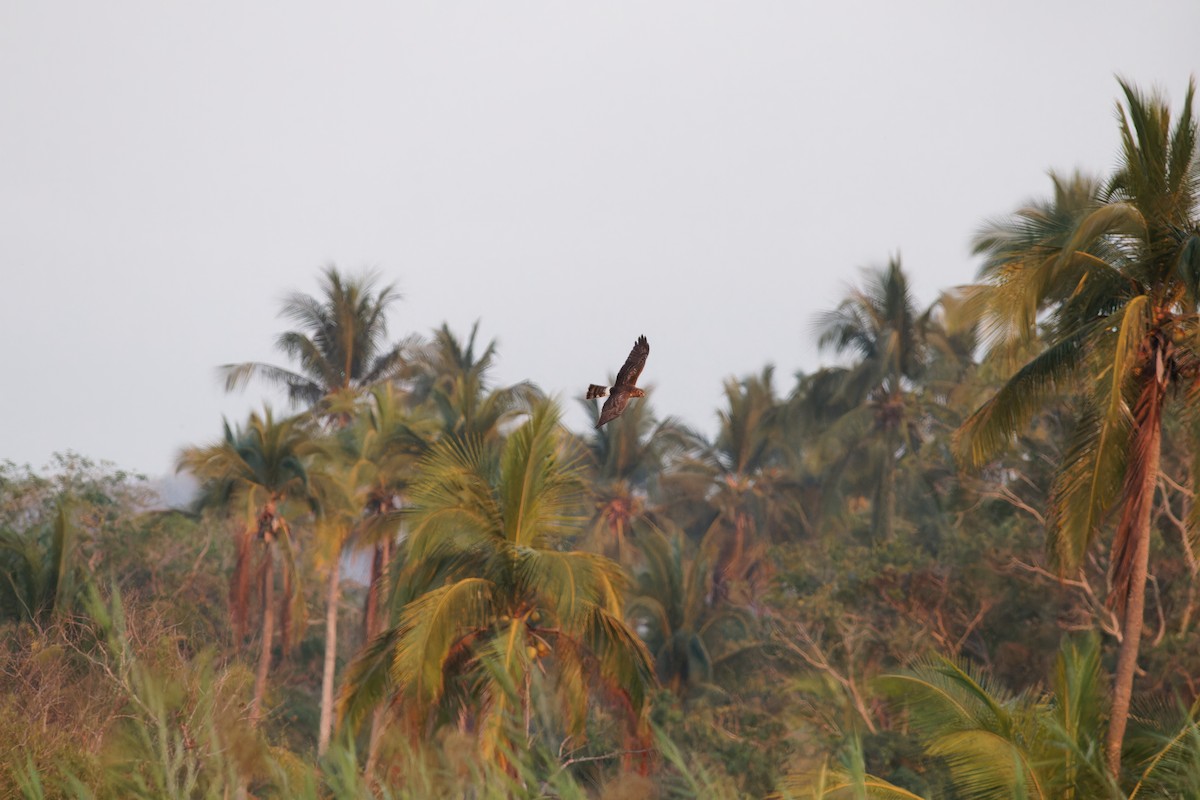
<point>633,365</point>
<point>613,407</point>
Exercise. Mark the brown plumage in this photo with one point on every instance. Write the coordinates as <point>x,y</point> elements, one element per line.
<point>625,385</point>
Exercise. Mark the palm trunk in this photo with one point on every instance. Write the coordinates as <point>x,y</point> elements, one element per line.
<point>620,536</point>
<point>1135,601</point>
<point>382,590</point>
<point>374,740</point>
<point>884,511</point>
<point>371,608</point>
<point>331,615</point>
<point>268,633</point>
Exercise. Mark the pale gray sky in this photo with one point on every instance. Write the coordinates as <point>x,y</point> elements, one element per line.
<point>710,174</point>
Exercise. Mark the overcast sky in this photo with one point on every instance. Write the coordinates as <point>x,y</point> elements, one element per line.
<point>572,174</point>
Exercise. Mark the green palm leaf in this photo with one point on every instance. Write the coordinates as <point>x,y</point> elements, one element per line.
<point>571,583</point>
<point>542,485</point>
<point>430,626</point>
<point>991,427</point>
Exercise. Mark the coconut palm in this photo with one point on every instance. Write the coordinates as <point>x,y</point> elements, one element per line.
<point>450,375</point>
<point>740,492</point>
<point>340,346</point>
<point>999,744</point>
<point>335,485</point>
<point>688,636</point>
<point>386,441</point>
<point>508,601</point>
<point>879,324</point>
<point>258,475</point>
<point>627,454</point>
<point>1110,276</point>
<point>373,461</point>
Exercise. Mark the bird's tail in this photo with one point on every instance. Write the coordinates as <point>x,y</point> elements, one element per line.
<point>595,391</point>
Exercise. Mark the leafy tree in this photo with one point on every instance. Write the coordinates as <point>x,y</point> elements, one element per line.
<point>1114,272</point>
<point>55,528</point>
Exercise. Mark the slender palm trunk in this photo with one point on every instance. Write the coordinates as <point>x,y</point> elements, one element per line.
<point>331,615</point>
<point>374,740</point>
<point>620,536</point>
<point>1135,602</point>
<point>268,633</point>
<point>371,607</point>
<point>381,588</point>
<point>884,511</point>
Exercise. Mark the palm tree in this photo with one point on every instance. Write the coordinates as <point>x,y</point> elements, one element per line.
<point>448,373</point>
<point>1111,275</point>
<point>1000,744</point>
<point>376,459</point>
<point>688,636</point>
<point>627,454</point>
<point>387,442</point>
<point>258,474</point>
<point>507,601</point>
<point>340,347</point>
<point>334,483</point>
<point>879,323</point>
<point>741,491</point>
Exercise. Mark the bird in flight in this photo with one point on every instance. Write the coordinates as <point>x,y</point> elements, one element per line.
<point>625,386</point>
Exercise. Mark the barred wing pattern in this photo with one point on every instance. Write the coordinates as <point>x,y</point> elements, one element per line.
<point>625,386</point>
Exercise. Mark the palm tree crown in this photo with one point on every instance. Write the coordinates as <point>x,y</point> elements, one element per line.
<point>340,344</point>
<point>1109,275</point>
<point>487,536</point>
<point>880,324</point>
<point>258,472</point>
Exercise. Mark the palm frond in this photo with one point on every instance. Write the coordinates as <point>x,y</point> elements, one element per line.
<point>236,376</point>
<point>624,659</point>
<point>1110,219</point>
<point>570,583</point>
<point>992,426</point>
<point>368,679</point>
<point>1089,482</point>
<point>847,781</point>
<point>1077,687</point>
<point>542,484</point>
<point>988,766</point>
<point>430,626</point>
<point>1187,268</point>
<point>454,505</point>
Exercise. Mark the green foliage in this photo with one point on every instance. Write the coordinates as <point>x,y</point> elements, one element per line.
<point>504,597</point>
<point>42,576</point>
<point>1103,273</point>
<point>816,603</point>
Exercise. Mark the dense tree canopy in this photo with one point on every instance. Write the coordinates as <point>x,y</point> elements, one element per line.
<point>929,570</point>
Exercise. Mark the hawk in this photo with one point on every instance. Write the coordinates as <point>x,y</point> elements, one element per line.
<point>624,387</point>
